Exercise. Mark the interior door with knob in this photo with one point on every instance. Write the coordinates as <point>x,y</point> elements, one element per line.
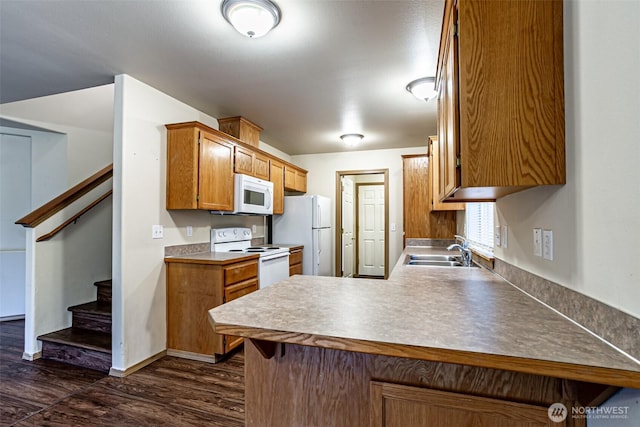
<point>348,212</point>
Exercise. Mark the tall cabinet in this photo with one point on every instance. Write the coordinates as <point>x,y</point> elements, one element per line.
<point>419,220</point>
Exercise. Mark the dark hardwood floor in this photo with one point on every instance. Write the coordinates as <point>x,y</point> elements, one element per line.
<point>170,391</point>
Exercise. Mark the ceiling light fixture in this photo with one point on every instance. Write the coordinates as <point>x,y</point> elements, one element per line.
<point>423,89</point>
<point>351,139</point>
<point>252,18</point>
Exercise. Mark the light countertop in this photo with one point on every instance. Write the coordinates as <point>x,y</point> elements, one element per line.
<point>216,258</point>
<point>468,316</point>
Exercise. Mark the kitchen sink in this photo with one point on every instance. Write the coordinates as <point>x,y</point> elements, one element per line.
<point>435,260</point>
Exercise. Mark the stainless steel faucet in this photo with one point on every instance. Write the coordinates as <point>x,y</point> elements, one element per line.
<point>465,252</point>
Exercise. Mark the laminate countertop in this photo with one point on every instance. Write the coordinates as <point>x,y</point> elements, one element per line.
<point>467,316</point>
<point>216,258</point>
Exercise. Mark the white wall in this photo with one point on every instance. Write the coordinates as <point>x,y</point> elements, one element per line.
<point>322,180</point>
<point>595,217</point>
<point>84,117</point>
<point>76,142</point>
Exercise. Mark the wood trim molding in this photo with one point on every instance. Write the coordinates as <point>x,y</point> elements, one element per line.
<point>50,208</point>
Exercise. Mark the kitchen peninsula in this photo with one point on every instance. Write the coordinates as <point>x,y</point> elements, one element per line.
<point>428,344</point>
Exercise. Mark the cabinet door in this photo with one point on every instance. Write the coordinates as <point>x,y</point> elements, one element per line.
<point>289,178</point>
<point>243,161</point>
<point>450,142</point>
<point>301,181</point>
<point>192,290</point>
<point>276,176</point>
<point>436,195</point>
<point>215,174</point>
<point>261,166</point>
<point>415,176</point>
<point>400,405</point>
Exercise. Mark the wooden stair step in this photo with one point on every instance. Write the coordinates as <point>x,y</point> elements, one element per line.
<point>93,307</point>
<point>104,290</point>
<point>92,316</point>
<point>78,347</point>
<point>89,340</point>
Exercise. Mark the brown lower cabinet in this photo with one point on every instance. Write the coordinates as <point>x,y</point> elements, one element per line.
<point>328,387</point>
<point>295,260</point>
<point>192,290</point>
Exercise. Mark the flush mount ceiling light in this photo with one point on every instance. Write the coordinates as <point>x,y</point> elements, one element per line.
<point>252,18</point>
<point>423,89</point>
<point>351,138</point>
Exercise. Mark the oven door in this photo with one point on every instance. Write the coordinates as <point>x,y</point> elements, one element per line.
<point>272,269</point>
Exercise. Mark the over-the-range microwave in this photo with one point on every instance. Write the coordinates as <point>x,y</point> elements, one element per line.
<point>252,195</point>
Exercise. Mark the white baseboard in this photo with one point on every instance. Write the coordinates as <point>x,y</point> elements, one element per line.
<point>115,372</point>
<point>31,357</point>
<point>10,318</point>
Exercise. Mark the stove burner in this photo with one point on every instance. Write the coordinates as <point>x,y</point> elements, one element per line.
<point>236,250</point>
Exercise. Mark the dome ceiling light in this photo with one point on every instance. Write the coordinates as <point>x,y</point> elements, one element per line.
<point>351,139</point>
<point>424,88</point>
<point>252,18</point>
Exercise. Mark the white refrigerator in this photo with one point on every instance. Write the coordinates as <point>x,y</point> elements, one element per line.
<point>307,221</point>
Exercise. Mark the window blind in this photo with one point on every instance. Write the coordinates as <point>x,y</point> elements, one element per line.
<point>479,224</point>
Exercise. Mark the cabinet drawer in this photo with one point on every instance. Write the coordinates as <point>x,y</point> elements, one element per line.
<point>295,269</point>
<point>235,273</point>
<point>231,342</point>
<point>240,289</point>
<point>295,257</point>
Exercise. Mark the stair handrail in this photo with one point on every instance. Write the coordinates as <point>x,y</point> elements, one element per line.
<point>55,205</point>
<point>73,219</point>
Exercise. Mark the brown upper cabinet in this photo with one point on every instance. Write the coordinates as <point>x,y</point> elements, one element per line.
<point>242,129</point>
<point>501,98</point>
<point>201,162</point>
<point>199,169</point>
<point>295,179</point>
<point>248,162</point>
<point>436,195</point>
<point>276,175</point>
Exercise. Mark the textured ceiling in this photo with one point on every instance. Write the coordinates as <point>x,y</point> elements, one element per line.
<point>330,67</point>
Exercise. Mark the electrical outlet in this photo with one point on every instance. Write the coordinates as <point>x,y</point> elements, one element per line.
<point>505,236</point>
<point>496,237</point>
<point>189,231</point>
<point>157,232</point>
<point>537,241</point>
<point>547,245</point>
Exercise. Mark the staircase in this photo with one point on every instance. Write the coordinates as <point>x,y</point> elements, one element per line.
<point>87,342</point>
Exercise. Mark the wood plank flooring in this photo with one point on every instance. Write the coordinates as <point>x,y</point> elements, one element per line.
<point>170,391</point>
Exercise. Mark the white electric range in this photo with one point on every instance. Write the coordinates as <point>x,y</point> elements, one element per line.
<point>273,264</point>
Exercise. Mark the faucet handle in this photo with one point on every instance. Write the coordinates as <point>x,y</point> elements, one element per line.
<point>465,244</point>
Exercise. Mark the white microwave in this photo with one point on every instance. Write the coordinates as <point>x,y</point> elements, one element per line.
<point>252,195</point>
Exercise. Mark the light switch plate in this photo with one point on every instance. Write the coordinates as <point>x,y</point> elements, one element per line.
<point>157,232</point>
<point>547,245</point>
<point>393,226</point>
<point>537,241</point>
<point>189,231</point>
<point>496,237</point>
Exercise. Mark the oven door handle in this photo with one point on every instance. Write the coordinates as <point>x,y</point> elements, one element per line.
<point>274,257</point>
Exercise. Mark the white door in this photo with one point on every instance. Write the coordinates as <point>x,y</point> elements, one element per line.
<point>348,213</point>
<point>371,230</point>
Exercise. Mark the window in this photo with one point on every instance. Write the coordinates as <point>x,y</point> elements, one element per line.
<point>479,226</point>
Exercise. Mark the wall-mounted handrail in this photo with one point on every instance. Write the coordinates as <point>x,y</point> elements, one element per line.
<point>73,218</point>
<point>65,199</point>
